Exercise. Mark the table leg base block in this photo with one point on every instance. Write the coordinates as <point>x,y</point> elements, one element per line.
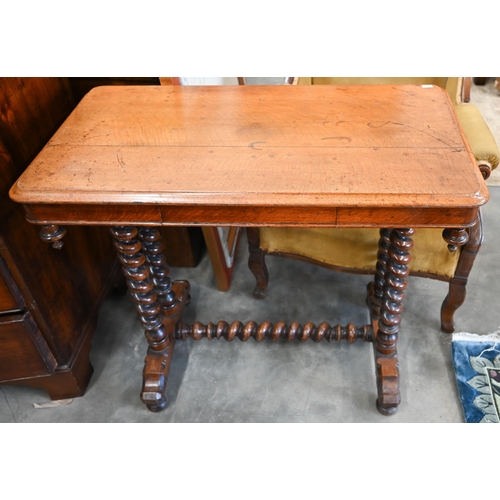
<point>155,376</point>
<point>387,371</point>
<point>387,367</point>
<point>157,363</point>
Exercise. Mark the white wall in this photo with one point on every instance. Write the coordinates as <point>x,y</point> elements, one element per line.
<point>208,80</point>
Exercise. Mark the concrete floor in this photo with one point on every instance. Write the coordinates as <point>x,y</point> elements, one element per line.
<point>219,381</point>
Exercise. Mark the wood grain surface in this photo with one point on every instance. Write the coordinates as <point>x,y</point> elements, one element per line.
<point>236,147</point>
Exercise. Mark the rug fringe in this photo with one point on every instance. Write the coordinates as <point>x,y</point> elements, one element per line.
<point>475,337</point>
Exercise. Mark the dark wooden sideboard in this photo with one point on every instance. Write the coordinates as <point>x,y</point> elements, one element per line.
<point>49,299</point>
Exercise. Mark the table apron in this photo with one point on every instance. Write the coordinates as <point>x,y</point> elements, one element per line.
<point>248,216</point>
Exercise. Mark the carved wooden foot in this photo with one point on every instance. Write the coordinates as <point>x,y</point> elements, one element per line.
<point>392,270</point>
<point>158,302</point>
<point>387,371</point>
<point>257,263</point>
<point>155,376</point>
<point>157,363</point>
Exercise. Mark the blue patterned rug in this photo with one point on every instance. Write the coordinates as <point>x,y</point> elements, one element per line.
<point>476,359</point>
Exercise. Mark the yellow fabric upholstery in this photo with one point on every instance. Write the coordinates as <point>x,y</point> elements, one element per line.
<point>357,248</point>
<point>478,134</point>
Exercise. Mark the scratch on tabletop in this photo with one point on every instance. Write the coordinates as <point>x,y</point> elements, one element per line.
<point>120,161</point>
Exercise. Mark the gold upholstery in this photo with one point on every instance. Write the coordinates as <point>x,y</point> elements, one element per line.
<point>356,248</point>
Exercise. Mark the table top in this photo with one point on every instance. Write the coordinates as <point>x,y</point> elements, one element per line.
<point>257,152</point>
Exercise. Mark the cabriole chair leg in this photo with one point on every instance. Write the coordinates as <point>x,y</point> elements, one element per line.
<point>257,263</point>
<point>457,289</point>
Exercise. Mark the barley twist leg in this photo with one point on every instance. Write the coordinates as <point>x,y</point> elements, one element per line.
<point>143,293</point>
<point>390,318</point>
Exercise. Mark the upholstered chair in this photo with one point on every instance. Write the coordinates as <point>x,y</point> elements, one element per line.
<point>355,250</point>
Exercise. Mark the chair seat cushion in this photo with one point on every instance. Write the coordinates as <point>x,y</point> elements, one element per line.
<point>357,248</point>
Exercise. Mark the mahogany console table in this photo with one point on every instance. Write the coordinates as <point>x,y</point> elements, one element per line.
<point>134,158</point>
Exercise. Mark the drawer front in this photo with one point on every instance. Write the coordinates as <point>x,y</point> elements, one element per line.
<point>11,299</point>
<point>23,350</point>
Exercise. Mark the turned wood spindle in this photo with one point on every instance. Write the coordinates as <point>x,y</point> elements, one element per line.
<point>485,168</point>
<point>280,331</point>
<point>381,269</point>
<point>140,284</point>
<point>395,284</point>
<point>152,248</point>
<point>53,233</point>
<point>455,237</point>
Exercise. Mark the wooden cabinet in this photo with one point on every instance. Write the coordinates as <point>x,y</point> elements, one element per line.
<point>49,299</point>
